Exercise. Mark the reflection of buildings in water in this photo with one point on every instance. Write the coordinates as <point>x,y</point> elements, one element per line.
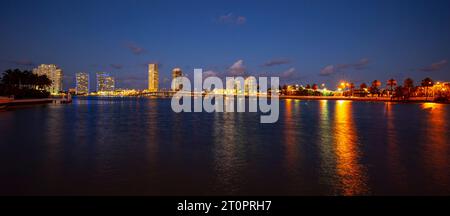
<point>229,103</point>
<point>177,129</point>
<point>54,136</point>
<point>226,156</point>
<point>153,133</point>
<point>350,173</point>
<point>436,145</point>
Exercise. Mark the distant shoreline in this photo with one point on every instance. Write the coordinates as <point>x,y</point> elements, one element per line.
<point>363,99</point>
<point>28,102</point>
<point>11,103</point>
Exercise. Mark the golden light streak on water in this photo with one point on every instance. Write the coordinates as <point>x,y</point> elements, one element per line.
<point>350,172</point>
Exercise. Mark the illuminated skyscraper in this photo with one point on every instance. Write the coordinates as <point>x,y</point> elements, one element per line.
<point>82,83</point>
<point>54,73</point>
<point>105,82</point>
<point>153,77</point>
<point>176,84</point>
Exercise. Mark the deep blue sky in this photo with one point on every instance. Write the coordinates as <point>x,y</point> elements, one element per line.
<point>301,41</point>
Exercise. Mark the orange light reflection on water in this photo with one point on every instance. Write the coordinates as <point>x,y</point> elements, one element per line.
<point>436,146</point>
<point>291,143</point>
<point>350,172</point>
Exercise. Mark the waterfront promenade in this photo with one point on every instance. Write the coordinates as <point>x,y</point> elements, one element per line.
<point>368,99</point>
<point>7,102</point>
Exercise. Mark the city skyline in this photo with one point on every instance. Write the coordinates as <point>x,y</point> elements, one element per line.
<point>307,42</point>
<point>225,107</point>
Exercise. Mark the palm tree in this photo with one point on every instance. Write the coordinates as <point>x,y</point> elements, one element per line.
<point>398,93</point>
<point>391,83</point>
<point>375,87</point>
<point>408,84</point>
<point>351,86</point>
<point>13,78</point>
<point>43,82</point>
<point>284,90</point>
<point>376,83</point>
<point>427,82</point>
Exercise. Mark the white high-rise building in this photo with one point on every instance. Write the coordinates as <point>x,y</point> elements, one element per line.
<point>82,83</point>
<point>54,73</point>
<point>105,82</point>
<point>153,77</point>
<point>176,83</point>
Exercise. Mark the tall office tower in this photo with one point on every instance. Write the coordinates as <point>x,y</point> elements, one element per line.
<point>176,84</point>
<point>82,83</point>
<point>105,82</point>
<point>54,73</point>
<point>153,77</point>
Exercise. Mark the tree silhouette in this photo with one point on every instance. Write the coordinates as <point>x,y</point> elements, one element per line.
<point>24,84</point>
<point>363,86</point>
<point>409,85</point>
<point>351,86</point>
<point>427,82</point>
<point>374,89</point>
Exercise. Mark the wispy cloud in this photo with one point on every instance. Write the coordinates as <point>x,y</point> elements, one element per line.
<point>276,62</point>
<point>285,76</point>
<point>210,73</point>
<point>435,66</point>
<point>328,70</point>
<point>362,64</point>
<point>237,69</point>
<point>241,20</point>
<point>135,49</point>
<point>289,73</point>
<point>116,66</point>
<point>232,19</point>
<point>332,69</point>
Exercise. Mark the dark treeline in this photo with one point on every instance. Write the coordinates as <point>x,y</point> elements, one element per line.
<point>24,84</point>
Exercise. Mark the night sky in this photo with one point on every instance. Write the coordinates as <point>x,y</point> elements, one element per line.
<point>312,41</point>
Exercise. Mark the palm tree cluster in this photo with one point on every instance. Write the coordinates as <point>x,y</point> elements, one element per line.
<point>393,90</point>
<point>427,82</point>
<point>375,88</point>
<point>25,79</point>
<point>399,92</point>
<point>24,84</point>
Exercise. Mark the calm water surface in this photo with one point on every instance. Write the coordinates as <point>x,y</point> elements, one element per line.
<point>139,146</point>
